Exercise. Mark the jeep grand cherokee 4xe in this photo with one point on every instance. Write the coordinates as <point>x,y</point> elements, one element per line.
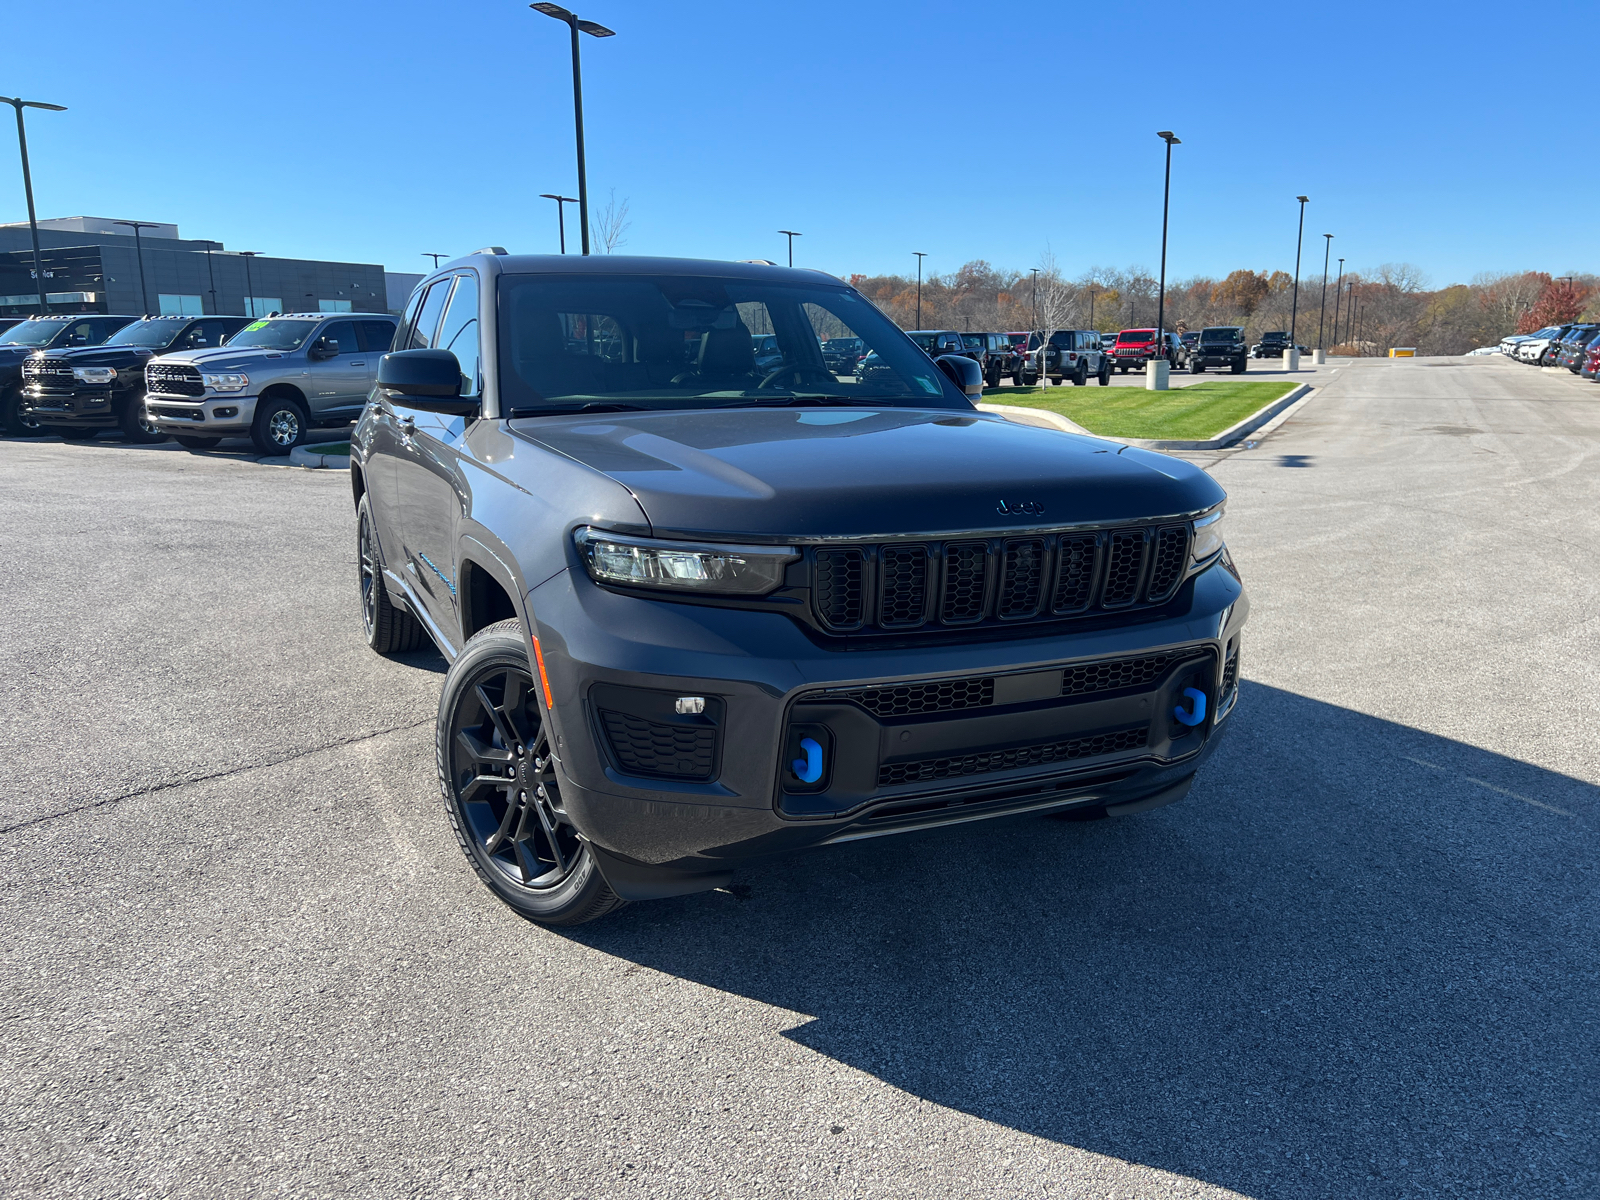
<point>697,612</point>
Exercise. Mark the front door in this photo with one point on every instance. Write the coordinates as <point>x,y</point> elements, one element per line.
<point>339,383</point>
<point>429,478</point>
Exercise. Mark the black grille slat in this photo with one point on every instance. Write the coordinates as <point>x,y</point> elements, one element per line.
<point>966,570</point>
<point>1074,573</point>
<point>1124,567</point>
<point>840,594</point>
<point>667,751</point>
<point>1021,578</point>
<point>929,769</point>
<point>1167,561</point>
<point>1118,673</point>
<point>903,590</point>
<point>1230,673</point>
<point>908,699</point>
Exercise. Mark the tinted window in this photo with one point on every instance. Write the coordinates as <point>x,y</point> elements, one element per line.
<point>427,322</point>
<point>379,335</point>
<point>343,332</point>
<point>459,333</point>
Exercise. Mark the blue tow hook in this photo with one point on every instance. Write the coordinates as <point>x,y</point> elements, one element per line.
<point>809,769</point>
<point>1199,713</point>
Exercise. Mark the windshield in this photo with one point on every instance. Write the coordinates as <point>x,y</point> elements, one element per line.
<point>652,342</point>
<point>842,345</point>
<point>32,333</point>
<point>1218,335</point>
<point>146,333</point>
<point>1136,336</point>
<point>276,334</point>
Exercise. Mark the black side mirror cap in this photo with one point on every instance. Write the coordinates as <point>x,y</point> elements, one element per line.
<point>964,372</point>
<point>426,379</point>
<point>323,350</point>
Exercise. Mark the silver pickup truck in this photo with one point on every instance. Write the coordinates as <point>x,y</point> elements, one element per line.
<point>273,381</point>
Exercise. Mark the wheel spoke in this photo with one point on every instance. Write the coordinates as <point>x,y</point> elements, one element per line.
<point>550,836</point>
<point>480,781</point>
<point>516,814</point>
<point>495,715</point>
<point>480,750</point>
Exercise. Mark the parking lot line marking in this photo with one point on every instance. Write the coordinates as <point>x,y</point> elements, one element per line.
<point>1492,787</point>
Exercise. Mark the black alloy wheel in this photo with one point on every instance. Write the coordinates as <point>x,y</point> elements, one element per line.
<point>135,423</point>
<point>387,628</point>
<point>1081,375</point>
<point>497,771</point>
<point>15,421</point>
<point>1105,373</point>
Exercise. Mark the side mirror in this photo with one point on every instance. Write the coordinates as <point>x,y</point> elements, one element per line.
<point>323,348</point>
<point>963,372</point>
<point>77,339</point>
<point>425,379</point>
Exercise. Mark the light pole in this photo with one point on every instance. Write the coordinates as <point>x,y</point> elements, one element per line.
<point>561,214</point>
<point>1091,306</point>
<point>27,187</point>
<point>1294,307</point>
<point>920,256</point>
<point>1165,135</point>
<point>435,257</point>
<point>138,249</point>
<point>1338,294</point>
<point>212,276</point>
<point>1034,271</point>
<point>593,30</point>
<point>791,234</point>
<point>249,287</point>
<point>1327,248</point>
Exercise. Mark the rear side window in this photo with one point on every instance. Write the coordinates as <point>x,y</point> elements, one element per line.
<point>427,322</point>
<point>379,335</point>
<point>459,332</point>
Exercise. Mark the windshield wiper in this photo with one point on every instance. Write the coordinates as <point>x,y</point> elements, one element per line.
<point>560,410</point>
<point>794,401</point>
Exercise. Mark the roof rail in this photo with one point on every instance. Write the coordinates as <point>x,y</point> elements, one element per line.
<point>491,250</point>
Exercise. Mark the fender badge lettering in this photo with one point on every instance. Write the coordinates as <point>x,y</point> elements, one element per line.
<point>1021,508</point>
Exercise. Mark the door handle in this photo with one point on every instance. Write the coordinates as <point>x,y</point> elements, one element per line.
<point>358,364</point>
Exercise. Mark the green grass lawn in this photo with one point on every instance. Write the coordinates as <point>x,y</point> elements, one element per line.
<point>330,448</point>
<point>1196,412</point>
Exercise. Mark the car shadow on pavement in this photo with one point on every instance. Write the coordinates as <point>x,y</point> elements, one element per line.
<point>1359,959</point>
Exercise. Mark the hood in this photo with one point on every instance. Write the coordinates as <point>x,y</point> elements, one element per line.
<point>860,473</point>
<point>222,358</point>
<point>101,356</point>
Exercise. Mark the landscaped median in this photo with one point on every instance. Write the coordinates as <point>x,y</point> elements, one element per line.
<point>1198,412</point>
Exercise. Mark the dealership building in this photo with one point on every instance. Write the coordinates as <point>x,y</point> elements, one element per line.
<point>98,265</point>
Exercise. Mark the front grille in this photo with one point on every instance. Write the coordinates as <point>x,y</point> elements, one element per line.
<point>170,380</point>
<point>1230,673</point>
<point>1114,675</point>
<point>907,699</point>
<point>667,751</point>
<point>48,374</point>
<point>899,586</point>
<point>1005,760</point>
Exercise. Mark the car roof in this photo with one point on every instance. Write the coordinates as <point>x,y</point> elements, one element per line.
<point>633,264</point>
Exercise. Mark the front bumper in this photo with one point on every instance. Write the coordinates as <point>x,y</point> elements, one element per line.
<point>1217,360</point>
<point>615,664</point>
<point>211,415</point>
<point>87,408</point>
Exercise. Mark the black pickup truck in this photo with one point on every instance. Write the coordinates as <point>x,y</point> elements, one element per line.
<point>79,391</point>
<point>698,612</point>
<point>33,336</point>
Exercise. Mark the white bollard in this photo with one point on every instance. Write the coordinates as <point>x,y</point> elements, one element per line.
<point>1291,359</point>
<point>1319,357</point>
<point>1155,375</point>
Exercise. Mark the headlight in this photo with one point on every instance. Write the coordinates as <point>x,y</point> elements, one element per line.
<point>682,566</point>
<point>94,374</point>
<point>1208,534</point>
<point>226,382</point>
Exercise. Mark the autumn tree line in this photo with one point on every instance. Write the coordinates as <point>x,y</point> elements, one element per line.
<point>1365,313</point>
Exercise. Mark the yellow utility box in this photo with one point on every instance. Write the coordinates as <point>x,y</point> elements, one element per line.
<point>1402,351</point>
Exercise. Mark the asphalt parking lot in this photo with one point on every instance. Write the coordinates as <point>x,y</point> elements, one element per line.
<point>241,955</point>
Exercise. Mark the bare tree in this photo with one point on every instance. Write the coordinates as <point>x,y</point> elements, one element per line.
<point>610,226</point>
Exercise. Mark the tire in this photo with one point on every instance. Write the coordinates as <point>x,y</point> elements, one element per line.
<point>1124,370</point>
<point>1241,366</point>
<point>136,426</point>
<point>279,427</point>
<point>1055,380</point>
<point>1017,379</point>
<point>1104,374</point>
<point>13,421</point>
<point>70,433</point>
<point>991,377</point>
<point>195,443</point>
<point>515,833</point>
<point>1081,375</point>
<point>387,628</point>
<point>1196,367</point>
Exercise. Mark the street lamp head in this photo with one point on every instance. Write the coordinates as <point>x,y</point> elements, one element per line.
<point>1302,199</point>
<point>592,28</point>
<point>552,10</point>
<point>1329,236</point>
<point>33,104</point>
<point>1169,137</point>
<point>595,29</point>
<point>791,232</point>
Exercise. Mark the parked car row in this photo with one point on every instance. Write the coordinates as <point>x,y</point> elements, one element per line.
<point>1575,346</point>
<point>198,379</point>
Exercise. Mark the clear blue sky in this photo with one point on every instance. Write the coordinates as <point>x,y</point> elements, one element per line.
<point>372,132</point>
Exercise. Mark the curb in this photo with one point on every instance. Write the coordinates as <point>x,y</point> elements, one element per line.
<point>304,456</point>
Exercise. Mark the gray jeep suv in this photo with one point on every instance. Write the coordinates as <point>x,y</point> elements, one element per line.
<point>275,379</point>
<point>698,611</point>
